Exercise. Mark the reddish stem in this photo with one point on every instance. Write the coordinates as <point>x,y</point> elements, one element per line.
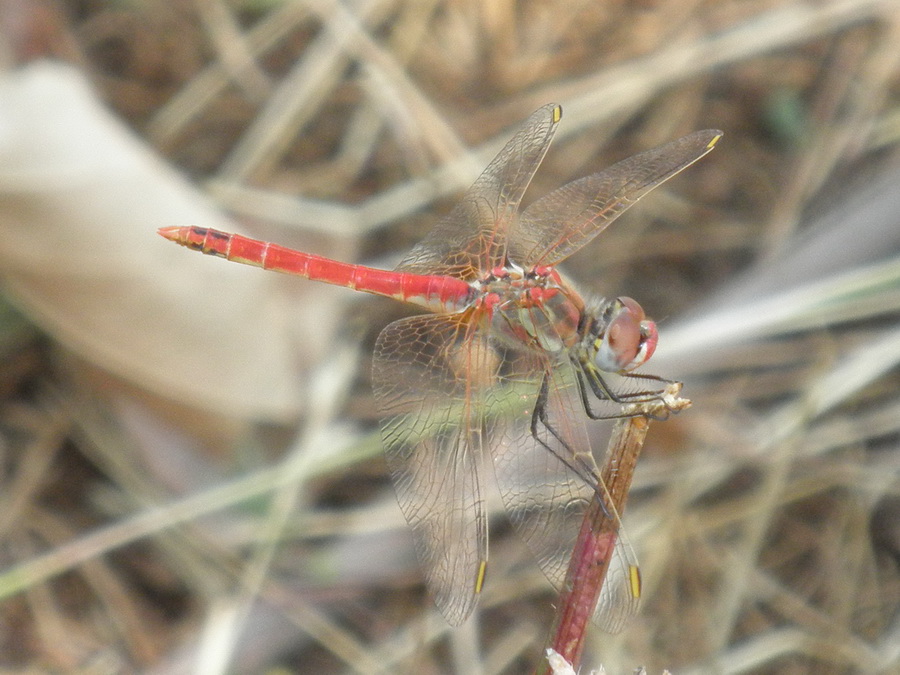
<point>596,540</point>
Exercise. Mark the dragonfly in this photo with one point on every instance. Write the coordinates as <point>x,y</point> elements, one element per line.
<point>508,366</point>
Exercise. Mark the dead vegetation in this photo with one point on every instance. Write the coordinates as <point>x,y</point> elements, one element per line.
<point>199,486</point>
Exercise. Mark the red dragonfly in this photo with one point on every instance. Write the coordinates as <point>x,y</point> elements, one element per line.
<point>508,365</point>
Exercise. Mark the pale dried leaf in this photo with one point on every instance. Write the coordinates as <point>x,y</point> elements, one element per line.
<point>80,201</point>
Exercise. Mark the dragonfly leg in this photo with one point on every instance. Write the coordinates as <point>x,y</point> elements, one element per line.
<point>580,463</point>
<point>603,392</point>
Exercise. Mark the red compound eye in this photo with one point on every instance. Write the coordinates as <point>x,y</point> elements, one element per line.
<point>630,339</point>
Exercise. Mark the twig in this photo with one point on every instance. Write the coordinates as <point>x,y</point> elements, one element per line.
<point>600,527</point>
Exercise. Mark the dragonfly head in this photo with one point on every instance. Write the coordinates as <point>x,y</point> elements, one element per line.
<point>625,340</point>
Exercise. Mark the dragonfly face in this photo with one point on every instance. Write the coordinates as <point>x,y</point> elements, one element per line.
<point>620,338</point>
<point>616,338</point>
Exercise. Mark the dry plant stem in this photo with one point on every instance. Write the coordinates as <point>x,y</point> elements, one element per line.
<point>596,540</point>
<point>594,547</point>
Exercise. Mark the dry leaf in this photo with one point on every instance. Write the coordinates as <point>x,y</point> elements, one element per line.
<point>80,201</point>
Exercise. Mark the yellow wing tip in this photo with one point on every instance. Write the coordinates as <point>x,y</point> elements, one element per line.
<point>634,581</point>
<point>557,113</point>
<point>479,580</point>
<point>715,139</point>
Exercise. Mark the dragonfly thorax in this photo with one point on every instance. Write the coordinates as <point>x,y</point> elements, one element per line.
<point>532,309</point>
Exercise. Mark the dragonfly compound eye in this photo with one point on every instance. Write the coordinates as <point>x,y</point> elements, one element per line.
<point>629,340</point>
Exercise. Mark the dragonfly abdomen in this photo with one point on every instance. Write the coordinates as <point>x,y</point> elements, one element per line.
<point>434,292</point>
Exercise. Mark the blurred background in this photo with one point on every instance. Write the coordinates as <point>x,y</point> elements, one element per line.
<point>191,471</point>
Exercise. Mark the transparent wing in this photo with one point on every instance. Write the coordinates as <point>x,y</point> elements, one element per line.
<point>473,237</point>
<point>620,596</point>
<point>560,223</point>
<point>429,375</point>
<point>547,480</point>
<point>543,495</point>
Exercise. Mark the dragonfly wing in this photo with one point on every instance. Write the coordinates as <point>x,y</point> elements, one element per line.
<point>547,479</point>
<point>473,237</point>
<point>544,496</point>
<point>560,223</point>
<point>426,374</point>
<point>620,596</point>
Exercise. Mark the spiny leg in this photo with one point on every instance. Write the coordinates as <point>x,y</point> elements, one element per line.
<point>602,392</point>
<point>587,472</point>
